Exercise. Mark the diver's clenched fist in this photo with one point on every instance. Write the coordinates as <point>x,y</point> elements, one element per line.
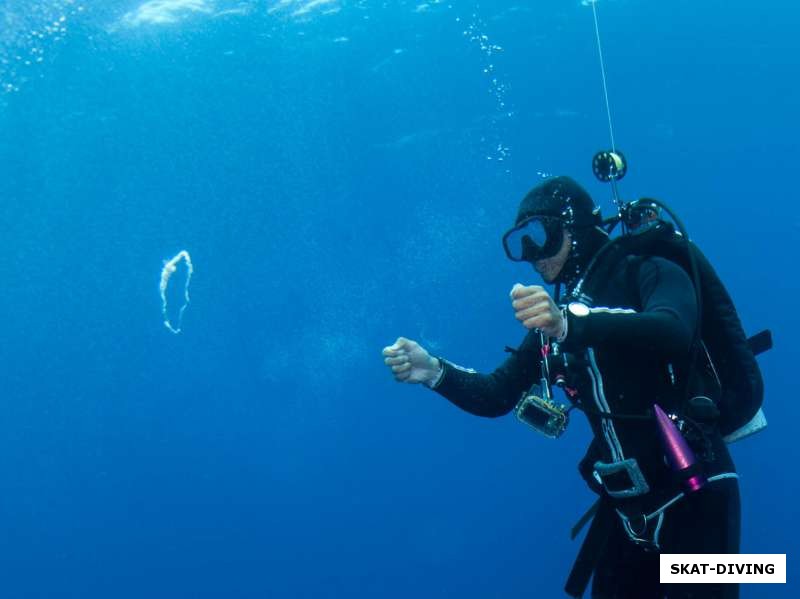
<point>535,309</point>
<point>410,362</point>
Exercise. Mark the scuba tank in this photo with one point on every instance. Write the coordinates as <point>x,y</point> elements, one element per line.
<point>721,345</point>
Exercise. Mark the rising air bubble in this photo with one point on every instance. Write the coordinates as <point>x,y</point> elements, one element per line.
<point>496,87</point>
<point>28,31</point>
<point>170,266</point>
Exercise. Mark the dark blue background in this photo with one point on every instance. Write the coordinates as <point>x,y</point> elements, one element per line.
<point>335,195</point>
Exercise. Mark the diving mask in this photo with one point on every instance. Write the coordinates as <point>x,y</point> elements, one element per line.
<point>536,238</point>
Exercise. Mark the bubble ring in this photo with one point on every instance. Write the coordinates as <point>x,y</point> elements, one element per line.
<point>170,266</point>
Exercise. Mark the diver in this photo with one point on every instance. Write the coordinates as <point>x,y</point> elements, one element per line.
<point>617,344</point>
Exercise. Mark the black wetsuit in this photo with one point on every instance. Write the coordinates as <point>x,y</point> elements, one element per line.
<point>630,351</point>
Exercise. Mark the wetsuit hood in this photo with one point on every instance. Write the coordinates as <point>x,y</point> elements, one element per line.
<point>564,198</point>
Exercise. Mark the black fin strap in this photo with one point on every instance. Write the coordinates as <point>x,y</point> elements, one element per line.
<point>592,548</point>
<point>584,520</point>
<point>760,342</point>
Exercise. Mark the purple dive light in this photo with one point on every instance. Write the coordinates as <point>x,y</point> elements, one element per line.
<point>680,456</point>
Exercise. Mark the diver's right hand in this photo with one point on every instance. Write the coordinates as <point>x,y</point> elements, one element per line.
<point>411,363</point>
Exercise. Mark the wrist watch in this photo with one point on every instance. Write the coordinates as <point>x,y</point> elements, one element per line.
<point>578,309</point>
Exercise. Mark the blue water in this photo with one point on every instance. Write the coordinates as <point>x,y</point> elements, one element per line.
<point>341,173</point>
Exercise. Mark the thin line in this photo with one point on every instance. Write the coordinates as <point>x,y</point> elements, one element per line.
<point>603,72</point>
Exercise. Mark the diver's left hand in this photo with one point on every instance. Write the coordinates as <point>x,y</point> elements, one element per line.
<point>535,309</point>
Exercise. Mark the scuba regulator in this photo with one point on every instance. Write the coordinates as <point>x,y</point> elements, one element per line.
<point>609,166</point>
